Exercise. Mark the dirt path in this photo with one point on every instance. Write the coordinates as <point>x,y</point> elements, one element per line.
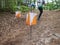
<point>16,32</point>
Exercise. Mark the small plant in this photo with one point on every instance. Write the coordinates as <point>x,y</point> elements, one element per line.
<point>24,8</point>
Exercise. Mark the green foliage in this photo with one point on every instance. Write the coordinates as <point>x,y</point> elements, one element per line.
<point>12,6</point>
<point>51,6</point>
<point>24,8</point>
<point>55,4</point>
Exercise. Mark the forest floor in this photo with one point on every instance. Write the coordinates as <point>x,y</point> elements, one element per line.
<point>16,32</point>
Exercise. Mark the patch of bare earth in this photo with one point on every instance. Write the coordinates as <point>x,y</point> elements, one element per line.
<point>15,32</point>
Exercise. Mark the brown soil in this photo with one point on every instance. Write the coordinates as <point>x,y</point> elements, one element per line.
<point>15,32</point>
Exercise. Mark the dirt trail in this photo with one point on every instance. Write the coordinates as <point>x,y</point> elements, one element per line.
<point>16,32</point>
